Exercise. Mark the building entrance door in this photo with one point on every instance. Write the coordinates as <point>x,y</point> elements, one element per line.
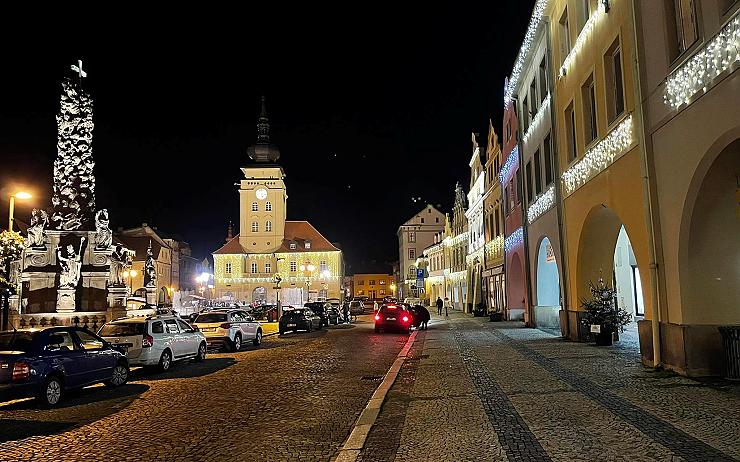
<point>371,293</point>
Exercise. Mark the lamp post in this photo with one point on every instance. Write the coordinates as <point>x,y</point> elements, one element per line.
<point>129,275</point>
<point>278,279</point>
<point>308,268</point>
<point>22,195</point>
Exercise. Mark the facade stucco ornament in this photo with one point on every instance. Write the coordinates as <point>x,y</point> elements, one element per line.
<point>103,236</point>
<point>150,269</point>
<point>71,264</point>
<point>35,238</point>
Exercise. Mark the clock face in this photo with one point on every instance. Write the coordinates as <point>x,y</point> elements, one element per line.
<point>262,194</point>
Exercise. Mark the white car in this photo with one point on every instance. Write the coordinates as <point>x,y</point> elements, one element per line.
<point>412,301</point>
<point>157,340</point>
<point>229,328</point>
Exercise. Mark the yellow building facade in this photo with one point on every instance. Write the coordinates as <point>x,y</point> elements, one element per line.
<point>373,286</point>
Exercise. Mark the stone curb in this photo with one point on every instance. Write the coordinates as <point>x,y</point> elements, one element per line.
<point>356,440</point>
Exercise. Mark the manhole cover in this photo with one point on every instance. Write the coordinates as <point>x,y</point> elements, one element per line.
<point>372,378</point>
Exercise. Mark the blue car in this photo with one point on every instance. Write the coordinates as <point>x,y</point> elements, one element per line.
<point>47,362</point>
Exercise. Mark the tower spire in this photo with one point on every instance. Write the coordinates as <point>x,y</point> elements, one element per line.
<point>263,126</point>
<point>263,150</point>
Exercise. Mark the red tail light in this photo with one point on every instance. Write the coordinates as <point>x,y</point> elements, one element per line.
<point>21,371</point>
<point>225,325</point>
<point>377,317</point>
<point>147,341</point>
<point>405,319</point>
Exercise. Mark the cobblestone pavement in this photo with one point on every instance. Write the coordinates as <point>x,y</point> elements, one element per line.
<point>294,398</point>
<point>475,390</point>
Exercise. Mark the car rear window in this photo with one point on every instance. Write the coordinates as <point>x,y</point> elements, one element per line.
<point>294,313</point>
<point>123,329</point>
<point>211,317</point>
<point>391,309</point>
<point>17,341</point>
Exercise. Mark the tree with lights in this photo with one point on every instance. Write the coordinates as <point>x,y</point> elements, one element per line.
<point>74,184</point>
<point>601,310</point>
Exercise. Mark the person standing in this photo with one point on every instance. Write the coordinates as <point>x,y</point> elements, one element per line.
<point>448,306</point>
<point>440,303</point>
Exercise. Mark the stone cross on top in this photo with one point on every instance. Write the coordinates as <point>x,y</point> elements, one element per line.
<point>78,69</point>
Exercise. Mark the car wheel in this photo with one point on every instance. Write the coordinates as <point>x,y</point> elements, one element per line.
<point>236,345</point>
<point>120,376</point>
<point>202,349</point>
<point>165,361</point>
<point>51,391</point>
<point>257,338</point>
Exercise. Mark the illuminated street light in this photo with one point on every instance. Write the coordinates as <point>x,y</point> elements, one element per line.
<point>22,195</point>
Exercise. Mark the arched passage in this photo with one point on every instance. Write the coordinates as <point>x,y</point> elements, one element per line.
<point>515,284</point>
<point>548,287</point>
<point>259,295</point>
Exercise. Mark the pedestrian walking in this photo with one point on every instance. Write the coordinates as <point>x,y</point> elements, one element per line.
<point>448,307</point>
<point>440,304</point>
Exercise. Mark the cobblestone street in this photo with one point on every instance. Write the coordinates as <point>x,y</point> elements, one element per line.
<point>468,390</point>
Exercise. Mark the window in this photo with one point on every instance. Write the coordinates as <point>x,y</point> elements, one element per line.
<point>533,97</point>
<point>293,266</point>
<point>157,327</point>
<point>372,282</point>
<point>228,268</point>
<point>585,12</point>
<point>60,341</point>
<point>412,237</point>
<point>564,36</point>
<point>422,221</point>
<point>496,165</point>
<point>268,226</point>
<point>588,93</point>
<point>525,115</point>
<point>530,189</point>
<point>570,132</point>
<point>360,292</point>
<point>268,206</point>
<point>89,341</point>
<point>268,268</point>
<point>307,245</point>
<point>537,172</point>
<point>543,79</point>
<point>184,327</point>
<point>255,207</point>
<point>360,282</point>
<point>518,183</point>
<point>496,223</point>
<point>412,254</point>
<point>255,227</point>
<point>382,282</point>
<point>323,266</point>
<point>682,16</point>
<point>614,82</point>
<point>412,272</point>
<point>548,161</point>
<point>292,246</point>
<point>436,220</point>
<point>382,291</point>
<point>508,130</point>
<point>254,267</point>
<point>170,326</point>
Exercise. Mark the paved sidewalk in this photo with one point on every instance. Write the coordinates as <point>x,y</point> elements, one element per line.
<point>475,390</point>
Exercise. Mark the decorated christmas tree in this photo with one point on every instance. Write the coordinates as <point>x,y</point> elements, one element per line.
<point>601,309</point>
<point>74,184</point>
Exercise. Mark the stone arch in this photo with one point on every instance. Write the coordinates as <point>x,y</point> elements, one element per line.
<point>259,295</point>
<point>547,284</point>
<point>709,246</point>
<point>516,288</point>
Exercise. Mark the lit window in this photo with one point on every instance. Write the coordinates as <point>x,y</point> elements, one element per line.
<point>228,268</point>
<point>254,267</point>
<point>255,227</point>
<point>412,254</point>
<point>255,207</point>
<point>268,206</point>
<point>372,282</point>
<point>268,226</point>
<point>268,267</point>
<point>307,245</point>
<point>293,267</point>
<point>360,282</point>
<point>323,267</point>
<point>292,246</point>
<point>412,237</point>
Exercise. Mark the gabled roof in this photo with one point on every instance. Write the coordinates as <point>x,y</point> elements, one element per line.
<point>139,244</point>
<point>298,232</point>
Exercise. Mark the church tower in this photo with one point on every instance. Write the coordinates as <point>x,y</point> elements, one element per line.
<point>262,195</point>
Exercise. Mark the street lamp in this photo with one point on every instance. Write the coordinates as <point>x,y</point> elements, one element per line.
<point>129,275</point>
<point>308,268</point>
<point>278,279</point>
<point>22,195</point>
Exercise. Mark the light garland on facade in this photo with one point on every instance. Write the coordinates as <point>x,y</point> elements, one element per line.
<point>266,280</point>
<point>515,239</point>
<point>495,248</point>
<point>541,205</point>
<point>516,72</point>
<point>717,56</point>
<point>545,108</point>
<point>511,163</point>
<point>599,157</point>
<point>450,241</point>
<point>471,257</point>
<point>584,35</point>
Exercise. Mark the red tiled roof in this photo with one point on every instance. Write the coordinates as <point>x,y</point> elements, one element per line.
<point>295,231</point>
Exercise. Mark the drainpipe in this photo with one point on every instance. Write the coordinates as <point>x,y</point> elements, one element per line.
<point>647,193</point>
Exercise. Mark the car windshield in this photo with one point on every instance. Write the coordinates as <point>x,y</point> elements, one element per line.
<point>211,317</point>
<point>123,329</point>
<point>16,341</point>
<point>355,303</point>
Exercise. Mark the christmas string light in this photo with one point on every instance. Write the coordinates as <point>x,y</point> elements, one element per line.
<point>541,205</point>
<point>514,239</point>
<point>516,72</point>
<point>511,163</point>
<point>538,118</point>
<point>495,248</point>
<point>600,156</point>
<point>718,55</point>
<point>596,16</point>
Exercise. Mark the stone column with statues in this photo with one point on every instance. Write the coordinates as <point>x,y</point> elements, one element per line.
<point>150,277</point>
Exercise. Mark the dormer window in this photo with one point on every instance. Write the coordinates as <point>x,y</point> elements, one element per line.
<point>307,245</point>
<point>292,246</point>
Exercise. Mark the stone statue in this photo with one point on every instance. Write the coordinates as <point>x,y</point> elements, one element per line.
<point>71,266</point>
<point>150,269</point>
<point>103,236</point>
<point>39,220</point>
<point>119,261</point>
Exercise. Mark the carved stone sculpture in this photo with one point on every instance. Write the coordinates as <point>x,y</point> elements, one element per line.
<point>119,261</point>
<point>103,236</point>
<point>71,266</point>
<point>39,220</point>
<point>150,269</point>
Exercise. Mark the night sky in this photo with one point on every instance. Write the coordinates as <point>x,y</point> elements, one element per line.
<point>368,109</point>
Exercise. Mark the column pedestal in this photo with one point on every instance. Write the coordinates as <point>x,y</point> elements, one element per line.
<point>151,296</point>
<point>65,300</point>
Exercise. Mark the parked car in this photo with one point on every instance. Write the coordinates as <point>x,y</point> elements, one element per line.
<point>155,340</point>
<point>321,309</point>
<point>356,307</point>
<point>229,328</point>
<point>48,362</point>
<point>393,317</point>
<point>299,319</point>
<point>412,301</point>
